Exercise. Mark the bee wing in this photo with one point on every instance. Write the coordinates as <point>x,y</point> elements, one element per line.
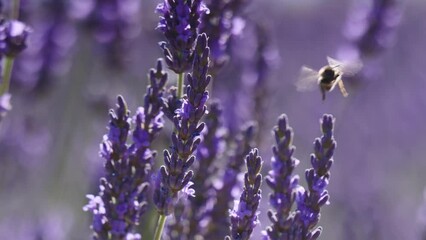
<point>308,79</point>
<point>347,68</point>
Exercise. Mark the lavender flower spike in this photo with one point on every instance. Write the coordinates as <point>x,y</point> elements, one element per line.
<point>122,198</point>
<point>372,28</point>
<point>13,40</point>
<point>229,183</point>
<point>282,181</point>
<point>244,217</point>
<point>48,56</point>
<point>13,37</point>
<point>114,23</point>
<point>309,202</point>
<point>172,103</point>
<point>107,215</point>
<point>218,25</point>
<point>175,175</point>
<point>209,151</point>
<point>5,105</point>
<point>179,23</point>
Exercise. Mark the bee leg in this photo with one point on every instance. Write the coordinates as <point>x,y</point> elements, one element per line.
<point>342,88</point>
<point>323,94</point>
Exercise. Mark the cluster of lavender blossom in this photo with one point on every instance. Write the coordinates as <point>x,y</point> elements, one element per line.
<point>370,30</point>
<point>47,57</point>
<point>193,191</point>
<point>13,40</point>
<point>113,24</point>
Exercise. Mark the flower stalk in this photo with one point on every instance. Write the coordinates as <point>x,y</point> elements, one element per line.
<point>160,227</point>
<point>15,9</point>
<point>244,216</point>
<point>174,178</point>
<point>180,85</point>
<point>7,73</point>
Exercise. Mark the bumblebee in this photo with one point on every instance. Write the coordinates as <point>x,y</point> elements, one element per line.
<point>328,77</point>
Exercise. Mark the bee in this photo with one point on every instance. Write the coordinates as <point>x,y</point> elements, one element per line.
<point>328,77</point>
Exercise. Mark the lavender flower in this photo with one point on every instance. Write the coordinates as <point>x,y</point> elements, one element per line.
<point>122,199</point>
<point>13,37</point>
<point>252,59</point>
<point>209,150</point>
<point>114,24</point>
<point>172,103</point>
<point>4,105</point>
<point>47,56</point>
<point>108,215</point>
<point>383,18</point>
<point>265,58</point>
<point>149,119</point>
<point>225,196</point>
<point>310,201</point>
<point>13,40</point>
<point>179,23</point>
<point>256,65</point>
<point>299,224</point>
<point>218,25</point>
<point>372,28</point>
<point>178,224</point>
<point>191,215</point>
<point>175,174</point>
<point>244,217</point>
<point>282,181</point>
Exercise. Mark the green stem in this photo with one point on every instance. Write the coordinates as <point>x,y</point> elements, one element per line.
<point>160,227</point>
<point>8,63</point>
<point>180,85</point>
<point>15,9</point>
<point>7,73</point>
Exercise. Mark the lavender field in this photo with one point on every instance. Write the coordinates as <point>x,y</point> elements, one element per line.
<point>164,119</point>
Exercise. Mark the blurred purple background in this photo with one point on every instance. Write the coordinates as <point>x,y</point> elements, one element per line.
<point>49,141</point>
